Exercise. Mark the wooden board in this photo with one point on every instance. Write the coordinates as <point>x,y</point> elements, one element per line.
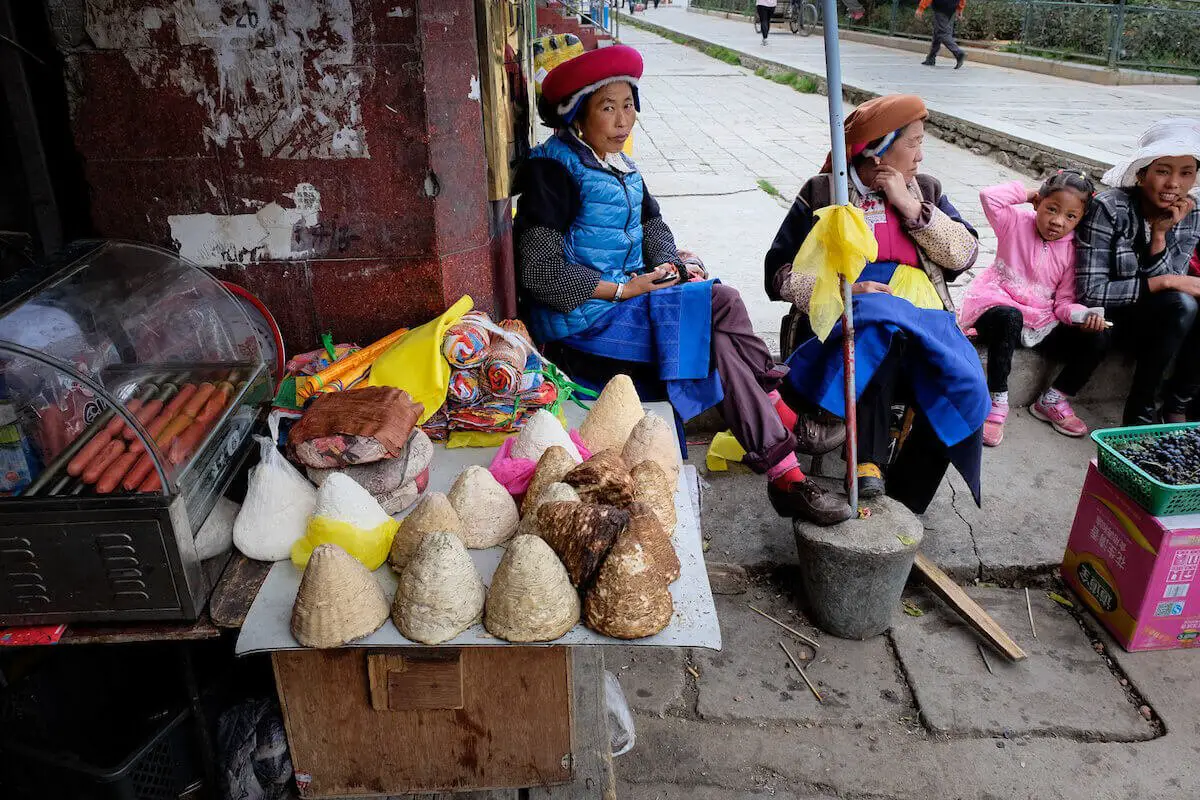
<point>236,590</point>
<point>591,751</point>
<point>491,33</point>
<point>420,679</point>
<point>514,729</point>
<point>141,632</point>
<point>971,612</point>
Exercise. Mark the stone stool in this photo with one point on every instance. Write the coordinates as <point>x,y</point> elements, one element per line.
<point>854,572</point>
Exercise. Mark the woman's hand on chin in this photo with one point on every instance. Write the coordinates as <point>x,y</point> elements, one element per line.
<point>870,287</point>
<point>892,183</point>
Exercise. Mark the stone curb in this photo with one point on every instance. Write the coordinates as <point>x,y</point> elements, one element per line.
<point>1012,151</point>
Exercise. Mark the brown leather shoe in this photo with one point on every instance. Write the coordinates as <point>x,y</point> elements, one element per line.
<point>805,500</point>
<point>818,434</point>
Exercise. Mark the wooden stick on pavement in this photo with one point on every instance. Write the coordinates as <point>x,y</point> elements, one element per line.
<point>800,669</point>
<point>806,639</point>
<point>978,619</point>
<point>1029,606</point>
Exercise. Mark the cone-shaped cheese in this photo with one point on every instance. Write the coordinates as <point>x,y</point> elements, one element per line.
<point>552,467</point>
<point>654,487</point>
<point>630,598</point>
<point>531,598</point>
<point>433,513</point>
<point>440,594</point>
<point>554,493</point>
<point>487,510</point>
<point>644,524</point>
<point>347,515</point>
<point>612,416</point>
<point>580,535</point>
<point>654,439</point>
<point>541,432</point>
<point>604,479</point>
<point>338,601</point>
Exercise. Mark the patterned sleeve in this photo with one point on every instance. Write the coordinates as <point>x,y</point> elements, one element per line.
<point>546,275</point>
<point>658,244</point>
<point>948,240</point>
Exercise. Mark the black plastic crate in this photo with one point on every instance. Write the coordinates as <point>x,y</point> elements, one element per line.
<point>163,767</point>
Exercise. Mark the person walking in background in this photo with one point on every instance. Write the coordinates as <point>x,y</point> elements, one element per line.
<point>766,9</point>
<point>944,12</point>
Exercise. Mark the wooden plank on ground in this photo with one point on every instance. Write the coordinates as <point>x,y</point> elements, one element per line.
<point>591,752</point>
<point>971,612</point>
<point>514,729</point>
<point>140,632</point>
<point>235,592</point>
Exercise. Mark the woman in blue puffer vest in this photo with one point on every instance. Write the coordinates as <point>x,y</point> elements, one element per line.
<point>601,278</point>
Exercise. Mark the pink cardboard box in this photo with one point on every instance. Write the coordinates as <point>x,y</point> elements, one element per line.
<point>1136,572</point>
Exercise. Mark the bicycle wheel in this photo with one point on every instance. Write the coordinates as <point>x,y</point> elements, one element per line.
<point>757,27</point>
<point>808,19</point>
<point>794,19</point>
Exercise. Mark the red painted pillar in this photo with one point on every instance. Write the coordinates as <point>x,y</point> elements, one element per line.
<point>331,159</point>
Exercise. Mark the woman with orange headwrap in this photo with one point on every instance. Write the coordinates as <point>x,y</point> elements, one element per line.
<point>909,346</point>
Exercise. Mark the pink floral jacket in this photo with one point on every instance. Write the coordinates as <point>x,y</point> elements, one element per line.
<point>1029,274</point>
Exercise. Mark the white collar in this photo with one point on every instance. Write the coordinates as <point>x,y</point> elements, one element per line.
<point>858,184</point>
<point>614,161</point>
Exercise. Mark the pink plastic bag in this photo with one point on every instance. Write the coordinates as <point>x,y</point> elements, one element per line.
<point>514,474</point>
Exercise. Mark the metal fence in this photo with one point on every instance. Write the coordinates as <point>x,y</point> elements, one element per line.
<point>1162,36</point>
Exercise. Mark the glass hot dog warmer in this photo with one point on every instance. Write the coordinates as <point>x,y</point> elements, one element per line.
<point>129,384</point>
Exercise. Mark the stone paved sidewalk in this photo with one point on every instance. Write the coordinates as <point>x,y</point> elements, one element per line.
<point>1097,123</point>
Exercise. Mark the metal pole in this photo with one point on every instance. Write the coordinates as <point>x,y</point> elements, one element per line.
<point>1114,47</point>
<point>895,17</point>
<point>841,196</point>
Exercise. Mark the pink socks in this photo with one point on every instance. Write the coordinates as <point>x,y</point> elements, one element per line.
<point>786,472</point>
<point>786,415</point>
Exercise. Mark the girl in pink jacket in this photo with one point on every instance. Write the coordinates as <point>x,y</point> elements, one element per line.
<point>1027,297</point>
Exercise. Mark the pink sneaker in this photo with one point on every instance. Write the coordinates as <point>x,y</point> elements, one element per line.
<point>993,426</point>
<point>1061,417</point>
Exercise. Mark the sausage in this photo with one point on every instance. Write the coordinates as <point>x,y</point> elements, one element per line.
<point>186,442</point>
<point>198,399</point>
<point>117,422</point>
<point>155,430</point>
<point>151,484</point>
<point>213,408</point>
<point>100,463</point>
<point>135,476</point>
<point>112,476</point>
<point>90,450</point>
<point>143,415</point>
<point>177,402</point>
<point>172,431</point>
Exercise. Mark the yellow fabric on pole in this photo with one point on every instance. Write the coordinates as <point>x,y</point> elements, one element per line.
<point>723,449</point>
<point>415,362</point>
<point>839,244</point>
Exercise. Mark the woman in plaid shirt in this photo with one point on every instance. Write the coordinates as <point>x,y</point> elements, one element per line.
<point>1132,252</point>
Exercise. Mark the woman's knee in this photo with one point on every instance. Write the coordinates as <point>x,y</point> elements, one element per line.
<point>725,298</point>
<point>1175,309</point>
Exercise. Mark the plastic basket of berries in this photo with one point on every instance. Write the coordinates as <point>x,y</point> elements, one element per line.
<point>1156,465</point>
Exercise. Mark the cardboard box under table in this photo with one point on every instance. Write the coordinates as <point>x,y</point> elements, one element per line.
<point>1136,572</point>
<point>387,716</point>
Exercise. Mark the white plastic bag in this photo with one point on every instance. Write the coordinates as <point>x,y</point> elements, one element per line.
<point>278,503</point>
<point>620,719</point>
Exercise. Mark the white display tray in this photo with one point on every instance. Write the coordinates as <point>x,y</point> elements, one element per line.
<point>267,625</point>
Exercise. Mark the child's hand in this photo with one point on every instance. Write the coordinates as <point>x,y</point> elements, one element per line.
<point>1093,323</point>
<point>1031,196</point>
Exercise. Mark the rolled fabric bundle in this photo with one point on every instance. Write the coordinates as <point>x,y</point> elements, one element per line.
<point>504,367</point>
<point>466,342</point>
<point>464,387</point>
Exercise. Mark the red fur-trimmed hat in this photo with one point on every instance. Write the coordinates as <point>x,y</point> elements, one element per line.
<point>568,84</point>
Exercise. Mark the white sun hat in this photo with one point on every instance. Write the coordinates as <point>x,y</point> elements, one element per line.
<point>1167,138</point>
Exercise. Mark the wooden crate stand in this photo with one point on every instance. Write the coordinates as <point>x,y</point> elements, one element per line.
<point>364,722</point>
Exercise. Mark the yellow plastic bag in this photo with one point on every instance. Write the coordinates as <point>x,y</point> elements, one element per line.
<point>724,448</point>
<point>476,439</point>
<point>914,285</point>
<point>370,546</point>
<point>839,244</point>
<point>415,362</point>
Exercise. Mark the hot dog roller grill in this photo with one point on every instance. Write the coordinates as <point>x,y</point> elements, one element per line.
<point>129,384</point>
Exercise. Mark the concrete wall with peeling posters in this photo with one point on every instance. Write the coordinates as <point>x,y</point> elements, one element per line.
<point>327,154</point>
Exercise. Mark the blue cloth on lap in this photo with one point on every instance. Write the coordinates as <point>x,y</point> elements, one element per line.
<point>671,328</point>
<point>943,370</point>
